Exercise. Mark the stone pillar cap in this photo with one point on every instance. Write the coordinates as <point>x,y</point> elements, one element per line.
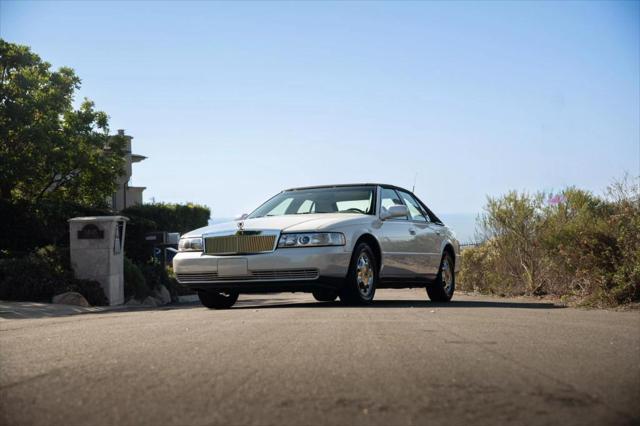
<point>98,219</point>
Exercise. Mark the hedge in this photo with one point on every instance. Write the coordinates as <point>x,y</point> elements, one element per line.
<point>159,217</point>
<point>26,226</point>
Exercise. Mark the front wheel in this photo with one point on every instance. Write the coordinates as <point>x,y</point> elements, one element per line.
<point>325,295</point>
<point>217,300</point>
<point>362,279</point>
<point>441,290</point>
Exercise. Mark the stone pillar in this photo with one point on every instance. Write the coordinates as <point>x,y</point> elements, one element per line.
<point>97,252</point>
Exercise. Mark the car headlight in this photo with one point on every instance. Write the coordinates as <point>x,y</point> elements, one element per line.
<point>311,239</point>
<point>190,244</point>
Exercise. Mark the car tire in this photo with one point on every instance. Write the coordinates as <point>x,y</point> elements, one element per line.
<point>441,290</point>
<point>325,295</point>
<point>360,285</point>
<point>217,300</point>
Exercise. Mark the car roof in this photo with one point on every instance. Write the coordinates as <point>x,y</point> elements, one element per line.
<point>344,185</point>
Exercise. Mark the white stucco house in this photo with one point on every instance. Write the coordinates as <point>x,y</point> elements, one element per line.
<point>127,195</point>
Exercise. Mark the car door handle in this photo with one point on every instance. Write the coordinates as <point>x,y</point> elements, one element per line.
<point>412,231</point>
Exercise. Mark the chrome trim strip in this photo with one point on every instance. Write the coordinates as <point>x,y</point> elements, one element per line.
<point>258,275</point>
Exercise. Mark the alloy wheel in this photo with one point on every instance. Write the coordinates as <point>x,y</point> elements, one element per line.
<point>364,275</point>
<point>447,276</point>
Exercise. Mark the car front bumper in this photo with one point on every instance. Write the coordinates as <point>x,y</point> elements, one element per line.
<point>287,269</point>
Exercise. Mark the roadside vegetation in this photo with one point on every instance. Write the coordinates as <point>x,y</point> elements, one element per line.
<point>58,162</point>
<point>34,249</point>
<point>42,274</point>
<point>574,245</point>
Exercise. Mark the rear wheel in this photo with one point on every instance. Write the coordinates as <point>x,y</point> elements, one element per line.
<point>325,295</point>
<point>360,286</point>
<point>441,290</point>
<point>217,300</point>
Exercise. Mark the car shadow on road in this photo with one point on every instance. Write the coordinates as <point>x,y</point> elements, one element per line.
<point>389,304</point>
<point>27,310</point>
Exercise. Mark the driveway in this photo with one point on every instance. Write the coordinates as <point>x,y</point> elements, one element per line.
<point>286,359</point>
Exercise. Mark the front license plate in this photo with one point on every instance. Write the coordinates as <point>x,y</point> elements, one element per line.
<point>232,267</point>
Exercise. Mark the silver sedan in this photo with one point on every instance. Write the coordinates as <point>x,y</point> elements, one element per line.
<point>333,241</point>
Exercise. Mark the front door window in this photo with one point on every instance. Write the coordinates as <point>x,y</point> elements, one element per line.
<point>389,197</point>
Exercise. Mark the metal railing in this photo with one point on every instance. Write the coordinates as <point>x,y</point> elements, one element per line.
<point>468,245</point>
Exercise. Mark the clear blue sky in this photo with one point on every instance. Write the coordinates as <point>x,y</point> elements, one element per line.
<point>232,102</point>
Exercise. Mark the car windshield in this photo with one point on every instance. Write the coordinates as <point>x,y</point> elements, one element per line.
<point>319,200</point>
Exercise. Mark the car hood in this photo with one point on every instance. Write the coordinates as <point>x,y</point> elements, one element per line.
<point>288,223</point>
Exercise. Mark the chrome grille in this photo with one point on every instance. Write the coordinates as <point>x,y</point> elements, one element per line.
<point>230,244</point>
<point>263,275</point>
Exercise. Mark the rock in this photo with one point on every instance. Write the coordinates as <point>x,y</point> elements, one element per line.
<point>162,294</point>
<point>133,302</point>
<point>70,298</point>
<point>189,298</point>
<point>150,301</point>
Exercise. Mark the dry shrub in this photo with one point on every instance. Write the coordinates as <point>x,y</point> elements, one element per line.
<point>569,244</point>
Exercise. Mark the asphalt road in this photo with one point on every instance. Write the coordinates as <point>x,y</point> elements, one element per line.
<point>286,359</point>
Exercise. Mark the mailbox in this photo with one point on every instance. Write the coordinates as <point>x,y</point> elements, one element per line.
<point>97,252</point>
<point>160,242</point>
<point>156,238</point>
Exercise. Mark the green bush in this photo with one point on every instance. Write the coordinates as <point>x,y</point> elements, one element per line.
<point>41,275</point>
<point>135,285</point>
<point>479,272</point>
<point>142,279</point>
<point>155,275</point>
<point>572,244</point>
<point>28,279</point>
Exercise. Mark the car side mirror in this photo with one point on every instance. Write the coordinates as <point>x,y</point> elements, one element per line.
<point>394,211</point>
<point>243,216</point>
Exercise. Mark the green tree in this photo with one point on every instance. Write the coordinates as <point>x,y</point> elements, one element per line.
<point>49,149</point>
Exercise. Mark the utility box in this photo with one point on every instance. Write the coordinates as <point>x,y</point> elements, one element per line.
<point>97,252</point>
